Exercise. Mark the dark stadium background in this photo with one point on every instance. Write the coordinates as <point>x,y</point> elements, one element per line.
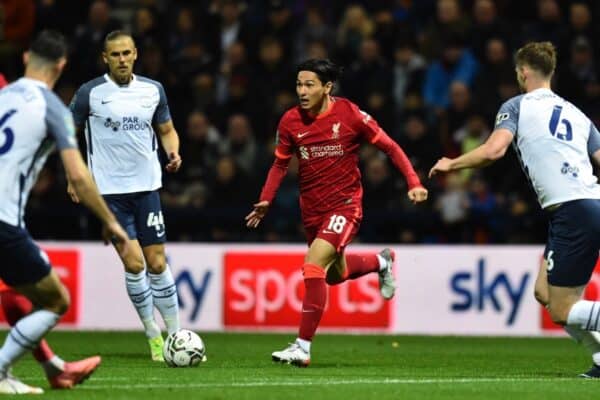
<point>433,73</point>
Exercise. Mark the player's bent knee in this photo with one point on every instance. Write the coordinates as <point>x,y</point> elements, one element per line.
<point>57,302</point>
<point>558,313</point>
<point>134,267</point>
<point>157,268</point>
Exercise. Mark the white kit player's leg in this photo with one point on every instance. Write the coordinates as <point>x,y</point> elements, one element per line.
<point>164,295</point>
<point>591,341</point>
<point>25,335</point>
<point>22,338</point>
<point>140,294</point>
<point>585,315</point>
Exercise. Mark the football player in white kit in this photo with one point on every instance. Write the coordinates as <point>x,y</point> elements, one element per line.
<point>554,142</point>
<point>119,113</point>
<point>33,121</point>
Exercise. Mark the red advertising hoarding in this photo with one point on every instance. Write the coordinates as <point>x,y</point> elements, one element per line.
<point>265,290</point>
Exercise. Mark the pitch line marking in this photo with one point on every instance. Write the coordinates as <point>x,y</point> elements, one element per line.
<point>303,382</point>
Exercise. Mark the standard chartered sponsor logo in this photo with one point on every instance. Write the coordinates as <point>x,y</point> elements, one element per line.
<point>329,150</point>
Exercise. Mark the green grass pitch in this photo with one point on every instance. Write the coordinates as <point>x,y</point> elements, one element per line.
<point>343,367</point>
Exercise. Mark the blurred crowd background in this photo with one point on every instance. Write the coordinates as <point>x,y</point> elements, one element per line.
<point>432,72</point>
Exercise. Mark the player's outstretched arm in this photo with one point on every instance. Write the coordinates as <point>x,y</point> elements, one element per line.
<point>170,142</point>
<point>87,192</point>
<point>493,149</point>
<point>276,174</point>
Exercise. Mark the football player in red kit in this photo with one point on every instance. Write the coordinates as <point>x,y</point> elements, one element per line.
<point>325,133</point>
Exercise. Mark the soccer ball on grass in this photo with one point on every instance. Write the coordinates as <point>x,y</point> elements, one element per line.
<point>184,348</point>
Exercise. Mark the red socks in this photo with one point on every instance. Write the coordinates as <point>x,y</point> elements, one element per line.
<point>356,266</point>
<point>315,296</point>
<point>314,300</point>
<point>15,307</point>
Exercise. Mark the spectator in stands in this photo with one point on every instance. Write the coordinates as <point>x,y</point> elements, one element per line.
<point>200,148</point>
<point>184,32</point>
<point>483,210</point>
<point>419,141</point>
<point>281,25</point>
<point>495,68</point>
<point>239,143</point>
<point>18,20</point>
<point>314,29</point>
<point>370,72</point>
<point>234,67</point>
<point>226,26</point>
<point>271,74</point>
<point>453,208</point>
<point>547,26</point>
<point>89,41</point>
<point>146,27</point>
<point>152,65</point>
<point>456,64</point>
<point>579,25</point>
<point>488,25</point>
<point>408,72</point>
<point>230,192</point>
<point>448,21</point>
<point>317,49</point>
<point>355,26</point>
<point>459,109</point>
<point>579,79</point>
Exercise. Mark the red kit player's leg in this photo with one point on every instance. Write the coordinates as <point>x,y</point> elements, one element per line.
<point>356,266</point>
<point>314,300</point>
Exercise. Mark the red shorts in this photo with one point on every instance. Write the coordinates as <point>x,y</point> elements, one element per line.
<point>338,226</point>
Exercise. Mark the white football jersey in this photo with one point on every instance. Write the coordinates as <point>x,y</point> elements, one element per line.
<point>554,141</point>
<point>122,148</point>
<point>33,121</point>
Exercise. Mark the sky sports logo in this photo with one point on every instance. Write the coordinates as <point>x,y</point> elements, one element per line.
<point>266,290</point>
<point>481,290</point>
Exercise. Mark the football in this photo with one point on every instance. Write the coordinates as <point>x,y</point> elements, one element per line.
<point>184,348</point>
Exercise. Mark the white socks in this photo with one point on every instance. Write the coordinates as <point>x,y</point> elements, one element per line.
<point>25,336</point>
<point>140,294</point>
<point>589,340</point>
<point>164,295</point>
<point>585,314</point>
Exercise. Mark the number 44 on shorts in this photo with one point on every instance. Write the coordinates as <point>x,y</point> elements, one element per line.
<point>157,221</point>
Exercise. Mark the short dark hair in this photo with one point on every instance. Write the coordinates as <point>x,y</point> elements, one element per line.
<point>114,35</point>
<point>540,56</point>
<point>49,45</point>
<point>326,70</point>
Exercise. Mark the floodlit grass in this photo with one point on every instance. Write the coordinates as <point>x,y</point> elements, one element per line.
<point>343,367</point>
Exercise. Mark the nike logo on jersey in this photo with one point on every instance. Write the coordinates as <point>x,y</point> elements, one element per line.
<point>301,135</point>
<point>328,231</point>
<point>160,234</point>
<point>105,101</point>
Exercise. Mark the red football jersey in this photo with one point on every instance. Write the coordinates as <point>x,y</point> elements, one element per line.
<point>327,149</point>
